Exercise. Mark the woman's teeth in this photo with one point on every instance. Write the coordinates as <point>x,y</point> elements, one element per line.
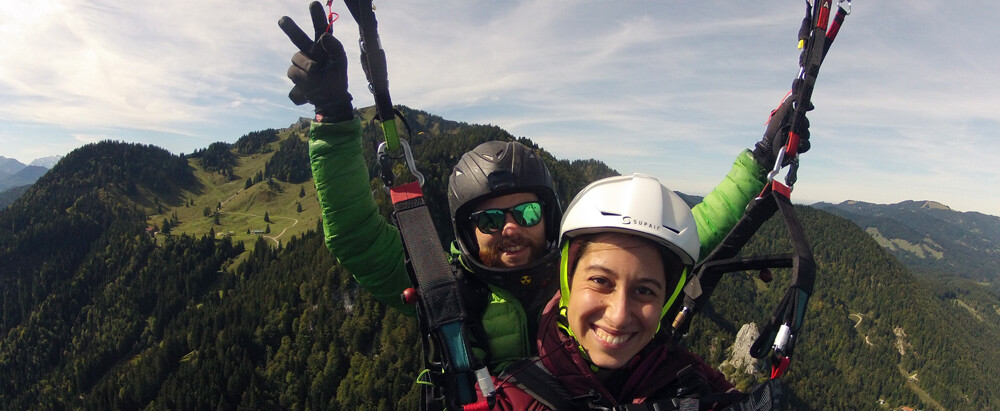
<point>611,339</point>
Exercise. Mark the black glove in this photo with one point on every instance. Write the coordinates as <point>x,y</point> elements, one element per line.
<point>319,69</point>
<point>776,134</point>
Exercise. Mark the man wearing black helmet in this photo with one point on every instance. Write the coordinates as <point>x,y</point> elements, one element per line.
<point>504,208</point>
<point>506,216</point>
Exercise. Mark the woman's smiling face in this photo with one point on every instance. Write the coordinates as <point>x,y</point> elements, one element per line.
<point>617,292</point>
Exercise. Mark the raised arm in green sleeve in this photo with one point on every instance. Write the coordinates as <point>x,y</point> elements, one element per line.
<point>724,206</point>
<point>362,240</point>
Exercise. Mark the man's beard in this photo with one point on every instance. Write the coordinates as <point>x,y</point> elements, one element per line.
<point>491,255</point>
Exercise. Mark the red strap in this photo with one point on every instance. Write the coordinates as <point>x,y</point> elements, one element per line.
<point>824,14</point>
<point>781,188</point>
<point>477,406</point>
<point>779,370</point>
<point>835,26</point>
<point>792,148</point>
<point>405,192</point>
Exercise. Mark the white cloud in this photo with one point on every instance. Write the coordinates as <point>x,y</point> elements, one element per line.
<point>90,138</point>
<point>905,102</point>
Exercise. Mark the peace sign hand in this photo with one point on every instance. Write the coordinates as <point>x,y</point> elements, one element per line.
<point>319,69</point>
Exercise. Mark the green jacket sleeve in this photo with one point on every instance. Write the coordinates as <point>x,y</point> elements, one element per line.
<point>362,240</point>
<point>724,206</point>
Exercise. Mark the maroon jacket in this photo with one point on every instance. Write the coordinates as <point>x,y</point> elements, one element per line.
<point>644,379</point>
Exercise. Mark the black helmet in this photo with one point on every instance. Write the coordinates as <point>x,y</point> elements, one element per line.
<point>493,169</point>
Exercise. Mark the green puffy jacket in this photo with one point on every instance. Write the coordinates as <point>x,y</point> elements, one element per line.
<point>371,250</point>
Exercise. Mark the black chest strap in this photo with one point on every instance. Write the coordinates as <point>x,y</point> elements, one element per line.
<point>440,305</point>
<point>689,392</point>
<point>531,376</point>
<point>766,397</point>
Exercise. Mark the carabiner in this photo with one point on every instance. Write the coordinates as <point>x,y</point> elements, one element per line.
<point>847,10</point>
<point>777,165</point>
<point>407,155</point>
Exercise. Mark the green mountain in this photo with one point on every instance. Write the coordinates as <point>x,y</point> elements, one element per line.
<point>956,255</point>
<point>875,336</point>
<point>98,313</point>
<point>929,237</point>
<point>8,196</point>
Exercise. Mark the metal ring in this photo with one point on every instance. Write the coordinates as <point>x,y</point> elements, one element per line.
<point>408,155</point>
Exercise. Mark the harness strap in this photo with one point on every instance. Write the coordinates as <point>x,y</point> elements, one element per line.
<point>838,20</point>
<point>781,331</point>
<point>531,376</point>
<point>690,391</point>
<point>374,64</point>
<point>722,259</point>
<point>765,397</point>
<point>440,306</point>
<point>440,303</point>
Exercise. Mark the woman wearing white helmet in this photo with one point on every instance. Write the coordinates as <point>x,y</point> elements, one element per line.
<point>628,245</point>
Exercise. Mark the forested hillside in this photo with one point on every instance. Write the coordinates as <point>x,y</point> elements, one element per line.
<point>8,196</point>
<point>956,255</point>
<point>873,332</point>
<point>98,314</point>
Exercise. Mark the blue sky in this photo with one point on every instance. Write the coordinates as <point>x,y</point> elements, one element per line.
<point>906,103</point>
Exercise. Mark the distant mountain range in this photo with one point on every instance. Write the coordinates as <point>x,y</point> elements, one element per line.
<point>929,237</point>
<point>15,176</point>
<point>47,162</point>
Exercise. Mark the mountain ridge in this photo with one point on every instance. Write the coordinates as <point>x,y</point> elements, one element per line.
<point>15,175</point>
<point>120,319</point>
<point>930,237</point>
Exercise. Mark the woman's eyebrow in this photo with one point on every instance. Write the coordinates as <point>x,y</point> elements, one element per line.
<point>598,267</point>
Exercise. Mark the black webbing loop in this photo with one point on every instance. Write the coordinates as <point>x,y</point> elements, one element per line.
<point>791,311</point>
<point>723,259</point>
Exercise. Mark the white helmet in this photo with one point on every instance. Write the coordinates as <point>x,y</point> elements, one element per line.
<point>639,205</point>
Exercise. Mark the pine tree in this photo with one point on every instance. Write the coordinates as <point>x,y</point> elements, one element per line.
<point>267,219</point>
<point>298,207</point>
<point>166,226</point>
<point>248,184</point>
<point>302,192</point>
<point>267,229</point>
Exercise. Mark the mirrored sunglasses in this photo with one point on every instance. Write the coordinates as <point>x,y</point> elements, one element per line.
<point>491,220</point>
